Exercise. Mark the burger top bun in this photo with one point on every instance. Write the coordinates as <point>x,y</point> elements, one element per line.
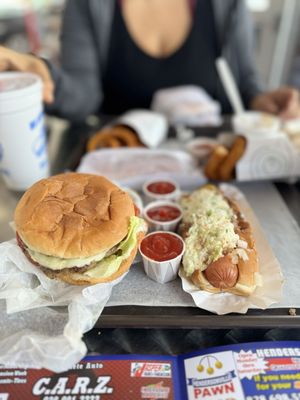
<point>73,215</point>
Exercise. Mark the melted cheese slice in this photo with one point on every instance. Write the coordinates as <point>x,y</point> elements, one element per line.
<point>57,264</point>
<point>104,265</point>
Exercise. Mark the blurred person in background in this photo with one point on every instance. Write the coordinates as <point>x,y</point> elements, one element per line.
<point>115,54</point>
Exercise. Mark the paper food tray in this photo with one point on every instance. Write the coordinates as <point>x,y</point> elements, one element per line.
<point>270,290</point>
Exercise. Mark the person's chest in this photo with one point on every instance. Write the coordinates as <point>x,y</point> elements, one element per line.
<point>158,27</point>
<point>132,76</point>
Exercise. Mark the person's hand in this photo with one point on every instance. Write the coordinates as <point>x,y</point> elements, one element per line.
<point>13,61</point>
<point>283,102</point>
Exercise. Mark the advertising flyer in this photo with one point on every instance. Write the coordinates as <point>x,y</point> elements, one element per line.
<point>252,371</point>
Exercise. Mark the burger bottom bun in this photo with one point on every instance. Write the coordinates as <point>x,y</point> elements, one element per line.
<point>76,278</point>
<point>247,281</point>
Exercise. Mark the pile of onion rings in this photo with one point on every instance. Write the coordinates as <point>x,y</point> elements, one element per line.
<point>112,137</point>
<point>222,161</point>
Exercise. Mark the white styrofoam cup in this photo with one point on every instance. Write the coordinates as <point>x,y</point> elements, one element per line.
<point>23,146</point>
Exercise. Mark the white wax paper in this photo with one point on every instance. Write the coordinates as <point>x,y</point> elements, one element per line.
<point>132,167</point>
<point>270,289</point>
<point>43,337</point>
<point>187,105</point>
<point>151,127</point>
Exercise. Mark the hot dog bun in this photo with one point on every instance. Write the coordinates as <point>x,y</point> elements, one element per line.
<point>220,250</point>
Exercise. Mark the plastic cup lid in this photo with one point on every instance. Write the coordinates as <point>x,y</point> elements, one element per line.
<point>18,84</point>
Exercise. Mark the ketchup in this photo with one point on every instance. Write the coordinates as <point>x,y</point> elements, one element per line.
<point>161,187</point>
<point>163,213</point>
<point>161,246</point>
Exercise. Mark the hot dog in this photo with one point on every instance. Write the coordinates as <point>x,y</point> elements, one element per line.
<point>220,251</point>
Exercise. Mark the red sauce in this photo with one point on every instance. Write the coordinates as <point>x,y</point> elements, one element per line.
<point>161,187</point>
<point>164,213</point>
<point>161,246</point>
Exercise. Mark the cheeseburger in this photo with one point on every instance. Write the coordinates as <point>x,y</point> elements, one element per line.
<point>78,228</point>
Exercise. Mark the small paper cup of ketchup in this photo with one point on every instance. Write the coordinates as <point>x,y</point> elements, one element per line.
<point>161,189</point>
<point>162,215</point>
<point>162,253</point>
